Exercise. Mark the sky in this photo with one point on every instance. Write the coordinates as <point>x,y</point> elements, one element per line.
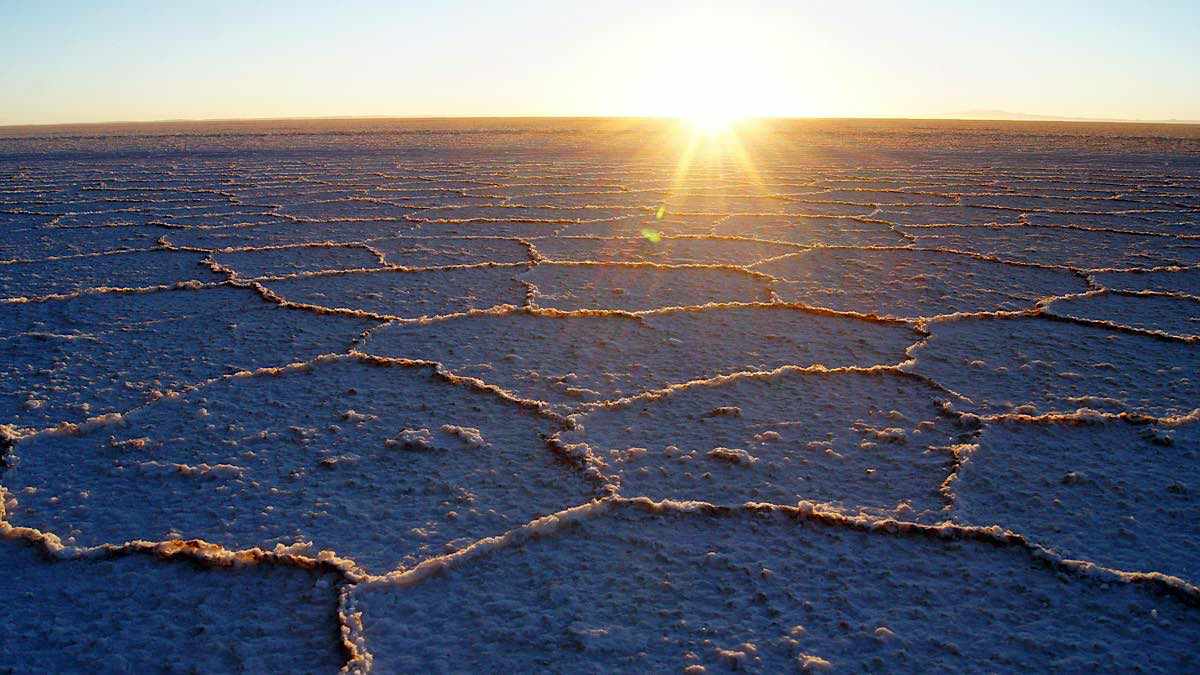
<point>83,62</point>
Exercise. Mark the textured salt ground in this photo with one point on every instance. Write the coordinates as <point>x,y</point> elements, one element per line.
<point>89,204</point>
<point>203,218</point>
<point>638,226</point>
<point>1124,495</point>
<point>1170,315</point>
<point>408,294</point>
<point>183,195</point>
<point>134,216</point>
<point>284,261</point>
<point>115,217</point>
<point>346,208</point>
<point>867,196</point>
<point>26,241</point>
<point>385,465</point>
<point>1027,190</point>
<point>489,228</point>
<point>283,233</point>
<point>656,250</point>
<point>564,188</point>
<point>422,252</point>
<point>905,283</point>
<point>480,183</point>
<point>638,288</point>
<point>440,191</point>
<point>735,202</point>
<point>126,270</point>
<point>1166,222</point>
<point>1080,249</point>
<point>516,213</point>
<point>269,187</point>
<point>1006,364</point>
<point>568,360</point>
<point>609,199</point>
<point>167,203</point>
<point>231,199</point>
<point>1181,281</point>
<point>809,230</point>
<point>99,354</point>
<point>634,589</point>
<point>136,613</point>
<point>861,439</point>
<point>1043,202</point>
<point>780,208</point>
<point>929,214</point>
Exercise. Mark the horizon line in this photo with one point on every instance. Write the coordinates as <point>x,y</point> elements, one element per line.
<point>968,116</point>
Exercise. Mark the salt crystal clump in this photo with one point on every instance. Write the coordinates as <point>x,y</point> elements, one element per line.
<point>412,439</point>
<point>733,456</point>
<point>725,411</point>
<point>739,659</point>
<point>470,435</point>
<point>357,417</point>
<point>809,662</point>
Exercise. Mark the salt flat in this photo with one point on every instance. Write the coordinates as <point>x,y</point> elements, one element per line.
<point>600,395</point>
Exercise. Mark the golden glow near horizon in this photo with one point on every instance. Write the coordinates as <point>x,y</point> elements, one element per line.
<point>711,140</point>
<point>717,70</point>
<point>713,60</point>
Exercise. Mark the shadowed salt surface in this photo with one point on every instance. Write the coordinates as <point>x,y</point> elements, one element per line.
<point>99,354</point>
<point>912,283</point>
<point>1174,222</point>
<point>655,250</point>
<point>1002,364</point>
<point>810,230</point>
<point>283,233</point>
<point>601,308</point>
<point>335,209</point>
<point>136,269</point>
<point>24,240</point>
<point>1182,281</point>
<point>1126,496</point>
<point>135,613</point>
<point>936,214</point>
<point>635,590</point>
<point>490,228</point>
<point>1170,315</point>
<point>517,212</point>
<point>310,454</point>
<point>638,288</point>
<point>1055,246</point>
<point>694,224</point>
<point>421,252</point>
<point>862,439</point>
<point>282,261</point>
<point>587,358</point>
<point>408,294</point>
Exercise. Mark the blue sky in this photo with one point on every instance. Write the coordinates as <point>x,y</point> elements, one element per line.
<point>76,61</point>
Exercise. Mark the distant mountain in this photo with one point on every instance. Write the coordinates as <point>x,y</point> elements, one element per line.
<point>1018,117</point>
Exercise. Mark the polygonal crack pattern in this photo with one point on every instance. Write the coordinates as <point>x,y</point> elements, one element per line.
<point>306,454</point>
<point>666,587</point>
<point>442,401</point>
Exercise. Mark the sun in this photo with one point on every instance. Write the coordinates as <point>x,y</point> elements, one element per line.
<point>712,71</point>
<point>712,123</point>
